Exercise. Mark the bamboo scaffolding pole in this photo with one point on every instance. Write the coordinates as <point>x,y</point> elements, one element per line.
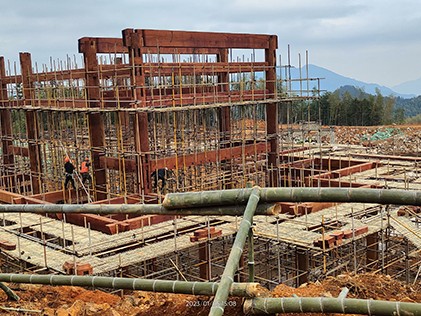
<point>340,195</point>
<point>339,305</point>
<point>166,286</point>
<point>134,209</point>
<point>231,266</point>
<point>229,202</point>
<point>20,310</point>
<point>9,292</point>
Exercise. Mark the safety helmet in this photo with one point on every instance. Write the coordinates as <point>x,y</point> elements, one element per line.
<point>67,159</point>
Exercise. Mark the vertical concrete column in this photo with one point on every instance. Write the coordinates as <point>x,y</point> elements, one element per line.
<point>372,253</point>
<point>34,149</point>
<point>302,265</point>
<point>3,86</point>
<point>224,114</point>
<point>96,124</point>
<point>97,141</point>
<point>6,134</point>
<point>135,42</point>
<point>223,86</point>
<point>6,122</point>
<point>32,132</point>
<point>123,116</point>
<point>27,78</point>
<point>272,126</point>
<point>204,272</point>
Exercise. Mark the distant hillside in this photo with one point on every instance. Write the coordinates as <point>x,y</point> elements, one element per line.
<point>413,86</point>
<point>353,92</point>
<point>332,81</point>
<point>411,107</point>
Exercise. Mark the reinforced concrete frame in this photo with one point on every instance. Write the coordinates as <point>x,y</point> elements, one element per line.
<point>141,112</point>
<point>187,102</point>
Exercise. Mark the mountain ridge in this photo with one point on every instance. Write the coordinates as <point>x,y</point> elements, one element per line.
<point>411,86</point>
<point>332,81</point>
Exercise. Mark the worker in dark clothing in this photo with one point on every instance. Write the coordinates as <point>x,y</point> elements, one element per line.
<point>160,175</point>
<point>68,169</point>
<point>84,171</point>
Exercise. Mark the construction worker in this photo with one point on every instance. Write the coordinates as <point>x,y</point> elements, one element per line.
<point>160,175</point>
<point>84,171</point>
<point>68,169</point>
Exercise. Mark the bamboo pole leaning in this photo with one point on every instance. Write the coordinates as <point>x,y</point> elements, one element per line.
<point>227,278</point>
<point>9,292</point>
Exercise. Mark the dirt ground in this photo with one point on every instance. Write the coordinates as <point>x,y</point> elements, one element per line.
<point>75,301</point>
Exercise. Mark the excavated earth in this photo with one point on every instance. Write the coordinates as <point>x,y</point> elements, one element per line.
<point>75,301</point>
<point>396,140</point>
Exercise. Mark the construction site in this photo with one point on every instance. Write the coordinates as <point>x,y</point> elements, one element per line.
<point>161,114</point>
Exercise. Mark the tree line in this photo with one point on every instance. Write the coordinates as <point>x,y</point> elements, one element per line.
<point>348,106</point>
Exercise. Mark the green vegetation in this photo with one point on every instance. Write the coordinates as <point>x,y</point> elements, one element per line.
<point>349,106</point>
<point>412,107</point>
<point>414,119</point>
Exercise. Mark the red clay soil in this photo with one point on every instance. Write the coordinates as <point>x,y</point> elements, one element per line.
<point>75,301</point>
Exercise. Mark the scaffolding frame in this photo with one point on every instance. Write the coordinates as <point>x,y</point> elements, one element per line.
<point>193,103</point>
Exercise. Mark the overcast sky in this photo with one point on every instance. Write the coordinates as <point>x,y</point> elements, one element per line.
<point>370,40</point>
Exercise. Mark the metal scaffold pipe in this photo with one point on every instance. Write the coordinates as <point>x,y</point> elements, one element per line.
<point>231,266</point>
<point>264,306</point>
<point>270,195</point>
<point>165,286</point>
